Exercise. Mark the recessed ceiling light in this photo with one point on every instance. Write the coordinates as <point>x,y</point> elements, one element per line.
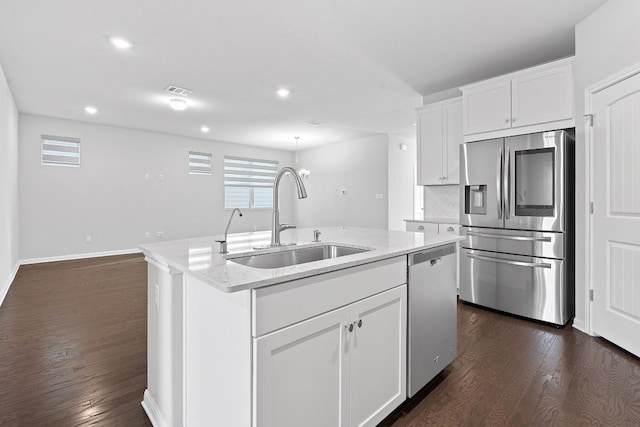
<point>120,43</point>
<point>205,129</point>
<point>315,123</point>
<point>178,104</point>
<point>283,93</point>
<point>90,110</point>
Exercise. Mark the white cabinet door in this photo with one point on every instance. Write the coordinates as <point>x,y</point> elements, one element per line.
<point>542,96</point>
<point>378,356</point>
<point>453,131</point>
<point>430,137</point>
<point>487,107</point>
<point>301,373</point>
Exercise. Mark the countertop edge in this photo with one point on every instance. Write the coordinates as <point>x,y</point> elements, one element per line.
<point>174,267</point>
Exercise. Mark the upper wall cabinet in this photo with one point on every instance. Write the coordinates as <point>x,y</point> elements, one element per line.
<point>531,100</point>
<point>439,137</point>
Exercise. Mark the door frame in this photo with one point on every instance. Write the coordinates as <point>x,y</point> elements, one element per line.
<point>589,93</point>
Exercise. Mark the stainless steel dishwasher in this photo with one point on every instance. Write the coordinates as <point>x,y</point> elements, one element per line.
<point>432,314</point>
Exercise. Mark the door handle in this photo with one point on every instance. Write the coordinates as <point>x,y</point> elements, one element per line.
<point>504,261</point>
<point>499,236</point>
<point>498,182</point>
<point>507,183</point>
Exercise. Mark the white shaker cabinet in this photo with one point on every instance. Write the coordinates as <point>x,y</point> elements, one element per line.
<point>532,100</point>
<point>439,135</point>
<point>342,368</point>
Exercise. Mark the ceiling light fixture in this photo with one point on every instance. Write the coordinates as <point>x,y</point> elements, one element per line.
<point>283,93</point>
<point>120,43</point>
<point>178,104</point>
<point>205,129</point>
<point>90,110</point>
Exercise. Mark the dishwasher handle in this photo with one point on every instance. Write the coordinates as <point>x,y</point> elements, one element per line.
<point>432,255</point>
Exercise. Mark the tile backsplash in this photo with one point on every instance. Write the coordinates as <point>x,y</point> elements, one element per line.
<point>441,201</point>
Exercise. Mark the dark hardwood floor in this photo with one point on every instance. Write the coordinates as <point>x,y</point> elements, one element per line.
<point>73,353</point>
<point>514,372</point>
<point>73,344</point>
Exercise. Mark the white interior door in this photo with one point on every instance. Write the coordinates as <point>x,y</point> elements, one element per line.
<point>616,215</point>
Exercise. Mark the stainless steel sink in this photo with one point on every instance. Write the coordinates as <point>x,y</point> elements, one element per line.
<point>295,256</point>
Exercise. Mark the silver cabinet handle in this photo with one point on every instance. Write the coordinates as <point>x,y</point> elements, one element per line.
<point>498,184</point>
<point>349,327</point>
<point>517,263</point>
<point>499,236</point>
<point>421,227</point>
<point>358,323</point>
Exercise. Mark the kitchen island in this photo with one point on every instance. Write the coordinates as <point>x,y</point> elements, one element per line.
<point>315,343</point>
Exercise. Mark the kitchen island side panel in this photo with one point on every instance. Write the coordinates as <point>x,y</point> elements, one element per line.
<point>217,356</point>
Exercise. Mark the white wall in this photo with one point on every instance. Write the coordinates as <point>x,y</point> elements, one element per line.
<point>358,166</point>
<point>606,42</point>
<point>109,199</point>
<point>9,220</point>
<point>402,181</point>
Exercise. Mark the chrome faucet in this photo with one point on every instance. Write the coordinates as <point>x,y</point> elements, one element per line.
<point>223,243</point>
<point>276,227</point>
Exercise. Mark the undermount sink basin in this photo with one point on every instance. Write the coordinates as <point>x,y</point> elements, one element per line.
<point>295,256</point>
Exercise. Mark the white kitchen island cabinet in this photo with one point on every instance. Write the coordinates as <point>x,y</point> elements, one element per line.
<point>343,368</point>
<point>319,343</point>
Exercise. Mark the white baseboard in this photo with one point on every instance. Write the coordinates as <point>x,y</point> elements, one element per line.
<point>152,410</point>
<point>5,288</point>
<point>79,256</point>
<point>581,326</point>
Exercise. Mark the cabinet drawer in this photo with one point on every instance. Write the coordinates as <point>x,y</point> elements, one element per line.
<point>424,227</point>
<point>449,229</point>
<point>277,306</point>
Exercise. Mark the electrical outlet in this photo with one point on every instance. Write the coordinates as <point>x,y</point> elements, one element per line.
<point>160,234</point>
<point>146,235</point>
<point>87,239</point>
<point>379,196</point>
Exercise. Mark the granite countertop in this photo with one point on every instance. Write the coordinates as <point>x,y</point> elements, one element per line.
<point>199,257</point>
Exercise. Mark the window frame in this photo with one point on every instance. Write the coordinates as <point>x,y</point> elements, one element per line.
<point>71,146</point>
<point>256,174</point>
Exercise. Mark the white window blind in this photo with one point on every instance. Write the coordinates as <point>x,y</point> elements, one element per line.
<point>248,183</point>
<point>60,151</point>
<point>199,163</point>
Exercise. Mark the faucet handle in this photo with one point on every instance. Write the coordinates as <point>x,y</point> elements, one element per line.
<point>316,235</point>
<point>286,226</point>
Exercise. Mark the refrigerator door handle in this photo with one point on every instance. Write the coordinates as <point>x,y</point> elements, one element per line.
<point>500,236</point>
<point>498,184</point>
<point>507,183</point>
<point>517,263</point>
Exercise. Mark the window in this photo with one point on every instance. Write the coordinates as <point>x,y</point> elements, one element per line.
<point>60,151</point>
<point>248,183</point>
<point>199,163</point>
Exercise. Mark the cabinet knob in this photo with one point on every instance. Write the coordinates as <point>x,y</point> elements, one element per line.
<point>449,228</point>
<point>359,323</point>
<point>514,119</point>
<point>349,327</point>
<point>506,121</point>
<point>421,227</point>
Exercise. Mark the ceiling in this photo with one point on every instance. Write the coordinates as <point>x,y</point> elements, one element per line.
<point>359,67</point>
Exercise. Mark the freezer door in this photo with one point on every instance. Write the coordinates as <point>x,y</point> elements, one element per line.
<point>481,183</point>
<point>531,287</point>
<point>541,244</point>
<point>535,191</point>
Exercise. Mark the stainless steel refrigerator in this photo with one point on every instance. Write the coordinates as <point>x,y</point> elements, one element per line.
<point>516,208</point>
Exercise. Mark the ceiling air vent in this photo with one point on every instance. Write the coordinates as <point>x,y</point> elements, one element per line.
<point>175,90</point>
